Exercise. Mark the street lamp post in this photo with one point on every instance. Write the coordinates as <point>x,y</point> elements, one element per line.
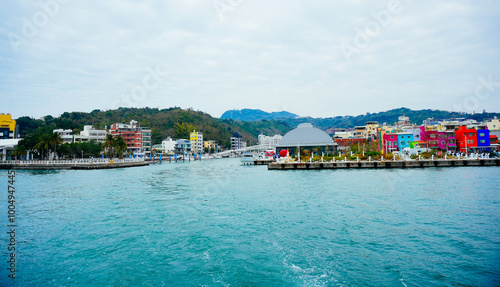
<point>466,145</point>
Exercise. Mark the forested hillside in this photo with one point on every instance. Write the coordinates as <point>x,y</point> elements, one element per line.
<point>256,115</point>
<point>174,122</point>
<point>389,117</point>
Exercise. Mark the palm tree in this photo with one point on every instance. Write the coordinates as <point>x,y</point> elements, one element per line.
<point>19,150</point>
<point>120,145</point>
<point>109,143</point>
<point>55,140</point>
<point>44,143</point>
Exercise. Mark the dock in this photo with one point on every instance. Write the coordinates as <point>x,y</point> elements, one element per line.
<point>383,164</point>
<point>68,164</point>
<point>262,161</point>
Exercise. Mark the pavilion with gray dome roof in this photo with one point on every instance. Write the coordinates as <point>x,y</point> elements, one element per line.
<point>307,137</point>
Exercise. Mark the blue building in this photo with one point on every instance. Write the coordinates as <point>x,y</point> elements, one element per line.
<point>404,140</point>
<point>182,146</point>
<point>483,139</point>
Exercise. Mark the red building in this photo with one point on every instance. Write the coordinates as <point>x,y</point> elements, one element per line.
<point>430,136</point>
<point>343,144</point>
<point>390,142</point>
<point>494,142</point>
<point>466,139</point>
<point>138,139</point>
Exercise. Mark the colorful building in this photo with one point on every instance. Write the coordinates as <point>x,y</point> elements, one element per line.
<point>430,135</point>
<point>483,139</point>
<point>157,148</point>
<point>371,129</point>
<point>360,132</point>
<point>404,140</point>
<point>494,142</point>
<point>211,146</point>
<point>466,139</point>
<point>8,127</point>
<point>451,141</point>
<point>196,139</point>
<point>390,142</point>
<point>183,146</point>
<point>137,138</point>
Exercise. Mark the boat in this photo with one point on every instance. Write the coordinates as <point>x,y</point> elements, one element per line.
<point>246,159</point>
<point>270,153</point>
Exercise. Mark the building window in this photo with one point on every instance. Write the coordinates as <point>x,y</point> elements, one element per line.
<point>470,141</point>
<point>481,141</point>
<point>481,134</point>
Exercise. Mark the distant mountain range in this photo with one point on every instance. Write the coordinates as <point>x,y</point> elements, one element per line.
<point>178,123</point>
<point>256,115</point>
<point>389,117</point>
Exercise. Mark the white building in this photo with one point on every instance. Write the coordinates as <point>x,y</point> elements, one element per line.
<point>414,131</point>
<point>343,134</point>
<point>90,133</point>
<point>237,141</point>
<point>494,124</point>
<point>66,135</point>
<point>269,141</point>
<point>182,146</point>
<point>168,145</point>
<point>6,147</point>
<point>196,139</point>
<point>360,132</point>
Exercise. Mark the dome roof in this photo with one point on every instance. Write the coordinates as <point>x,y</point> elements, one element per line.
<point>306,135</point>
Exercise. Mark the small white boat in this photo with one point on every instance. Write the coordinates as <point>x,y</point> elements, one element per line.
<point>246,159</point>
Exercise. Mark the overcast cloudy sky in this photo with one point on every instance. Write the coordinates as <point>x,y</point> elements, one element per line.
<point>316,58</point>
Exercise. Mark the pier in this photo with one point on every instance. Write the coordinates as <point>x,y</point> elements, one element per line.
<point>384,164</point>
<point>81,164</point>
<point>262,161</point>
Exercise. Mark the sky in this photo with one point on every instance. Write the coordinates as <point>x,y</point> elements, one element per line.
<point>318,58</point>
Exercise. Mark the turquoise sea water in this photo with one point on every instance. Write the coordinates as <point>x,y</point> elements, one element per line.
<point>216,223</point>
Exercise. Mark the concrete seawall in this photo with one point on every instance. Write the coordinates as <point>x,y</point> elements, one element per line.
<point>384,164</point>
<point>42,166</point>
<point>262,161</point>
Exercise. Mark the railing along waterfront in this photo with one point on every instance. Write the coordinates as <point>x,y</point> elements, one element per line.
<point>85,161</point>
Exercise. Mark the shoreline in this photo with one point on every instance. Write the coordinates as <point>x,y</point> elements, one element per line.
<point>70,165</point>
<point>384,164</point>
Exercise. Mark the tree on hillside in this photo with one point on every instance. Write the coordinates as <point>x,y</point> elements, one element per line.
<point>44,143</point>
<point>182,130</point>
<point>115,145</point>
<point>19,151</point>
<point>120,145</point>
<point>55,141</point>
<point>109,144</point>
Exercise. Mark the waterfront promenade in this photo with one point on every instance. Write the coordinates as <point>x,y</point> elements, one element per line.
<point>384,164</point>
<point>71,164</point>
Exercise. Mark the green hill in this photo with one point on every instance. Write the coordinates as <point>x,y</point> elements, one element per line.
<point>256,115</point>
<point>177,123</point>
<point>389,117</point>
<point>174,122</point>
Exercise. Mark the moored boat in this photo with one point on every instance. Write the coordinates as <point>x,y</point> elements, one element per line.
<point>246,158</point>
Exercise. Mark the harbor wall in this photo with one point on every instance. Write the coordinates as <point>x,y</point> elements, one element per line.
<point>384,164</point>
<point>48,166</point>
